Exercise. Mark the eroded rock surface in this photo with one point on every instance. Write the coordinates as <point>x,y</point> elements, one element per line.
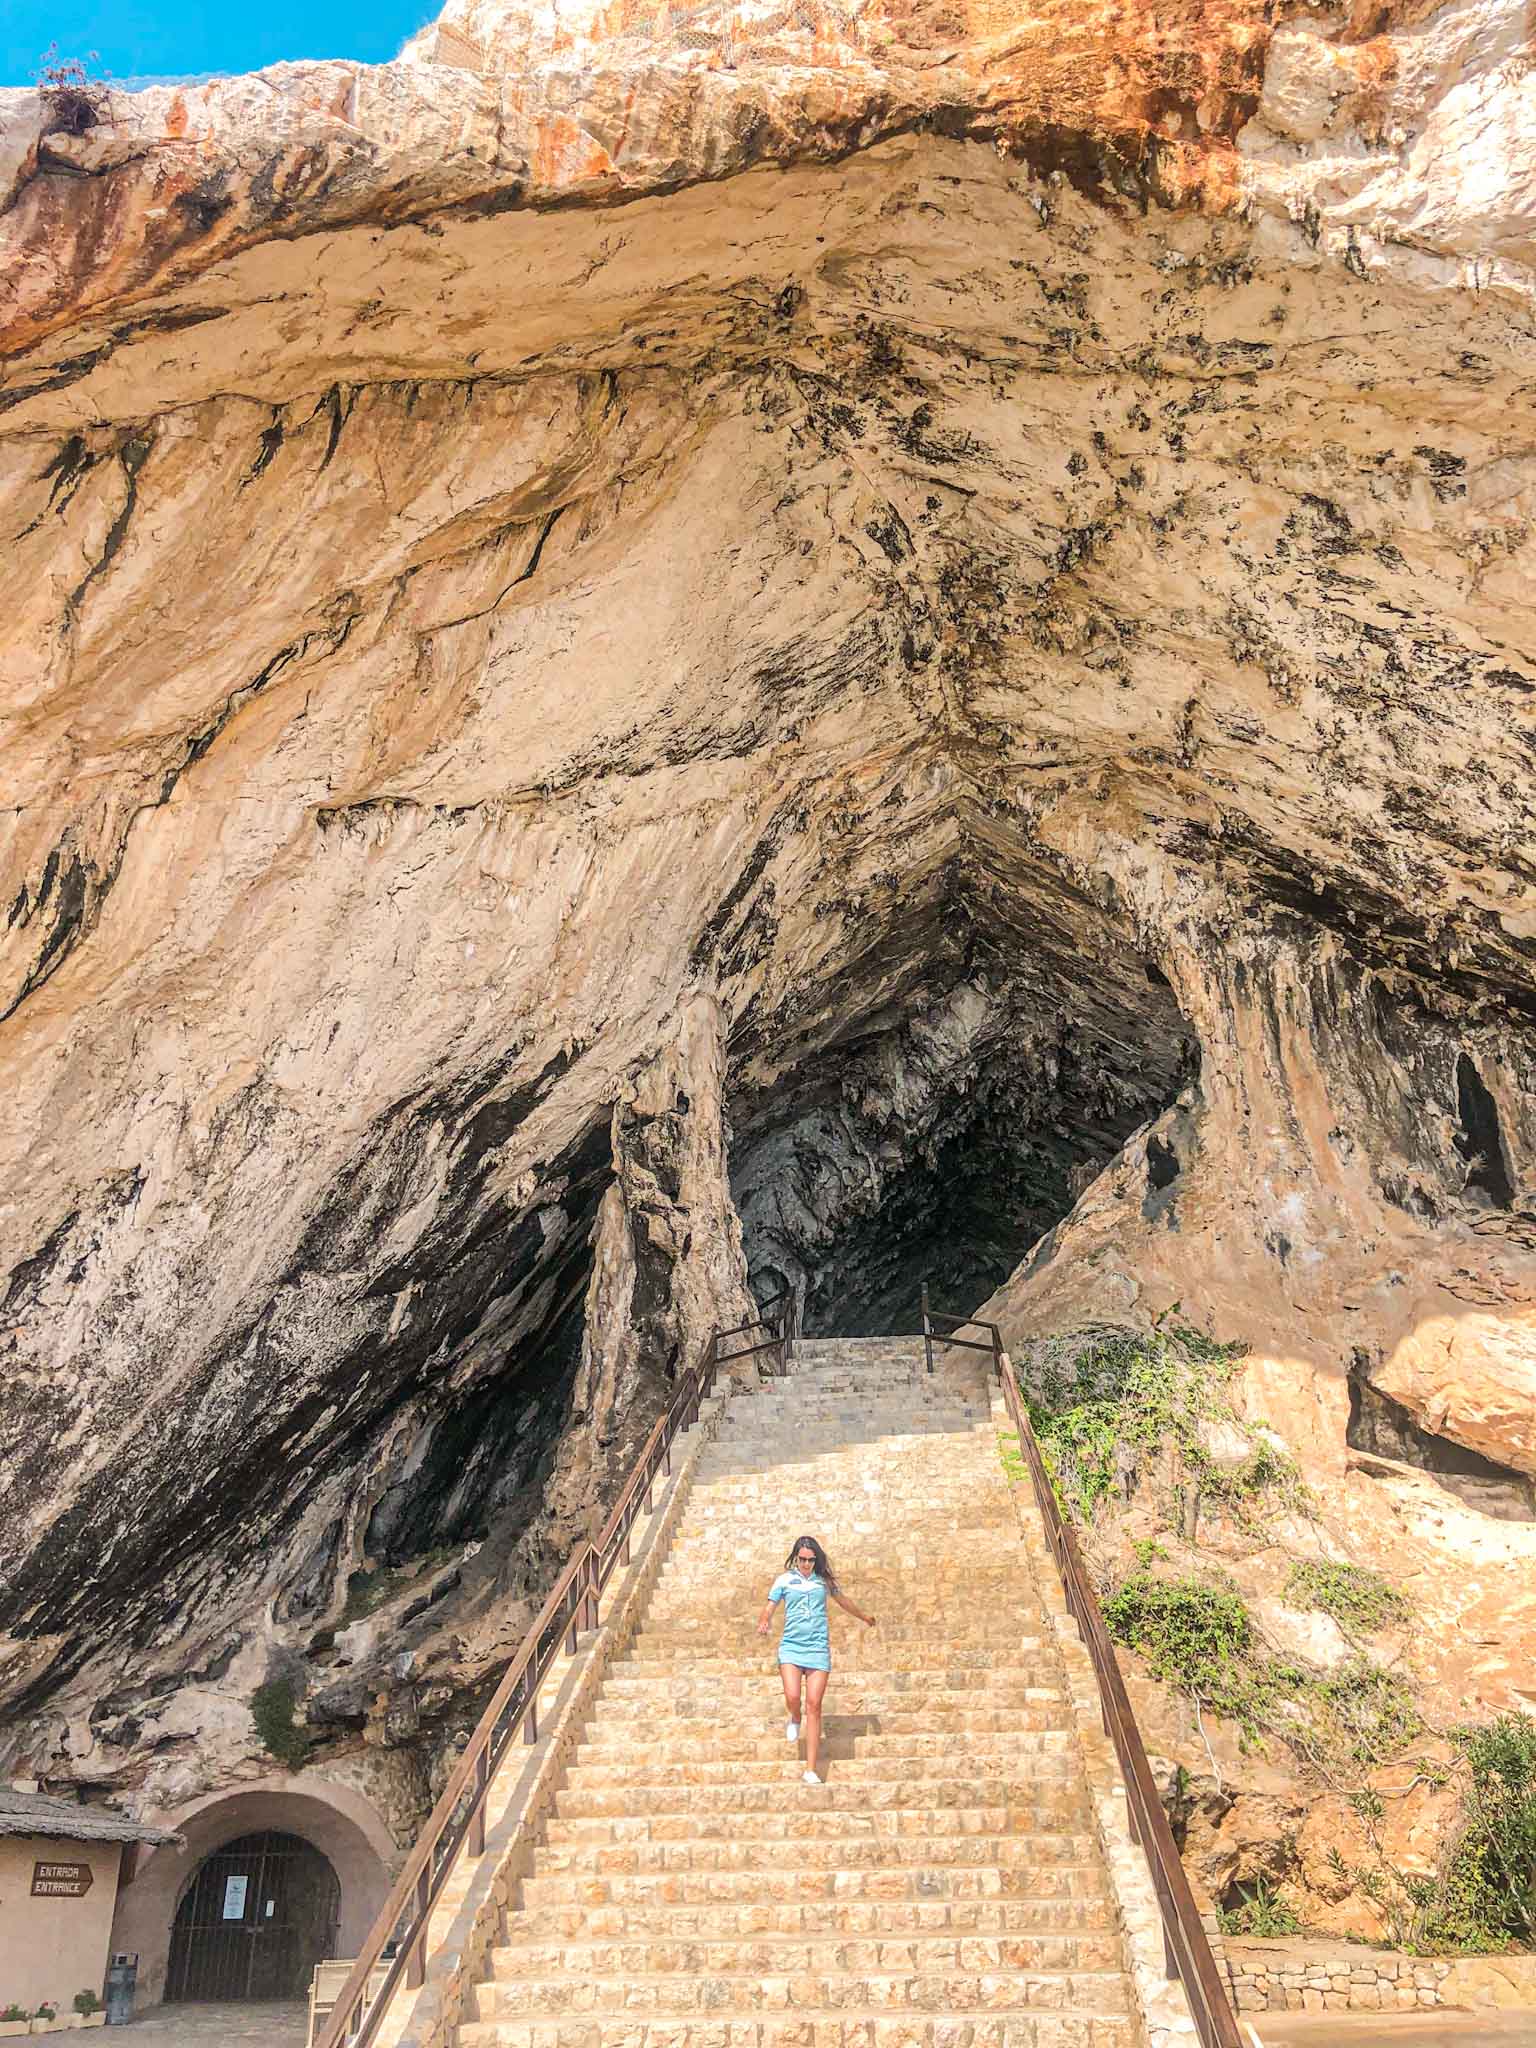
<point>987,555</point>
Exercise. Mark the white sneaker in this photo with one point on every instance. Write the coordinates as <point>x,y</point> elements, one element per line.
<point>810,1778</point>
<point>791,1731</point>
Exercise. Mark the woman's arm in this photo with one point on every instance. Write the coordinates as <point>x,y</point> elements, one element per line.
<point>857,1612</point>
<point>775,1595</point>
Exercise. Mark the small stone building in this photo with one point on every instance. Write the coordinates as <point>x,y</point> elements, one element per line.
<point>59,1869</point>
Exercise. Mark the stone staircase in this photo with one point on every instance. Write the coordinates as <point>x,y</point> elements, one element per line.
<point>944,1888</point>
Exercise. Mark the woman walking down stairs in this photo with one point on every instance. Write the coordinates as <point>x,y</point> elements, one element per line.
<point>943,1888</point>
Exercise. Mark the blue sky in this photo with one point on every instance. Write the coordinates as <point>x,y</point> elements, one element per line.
<point>160,38</point>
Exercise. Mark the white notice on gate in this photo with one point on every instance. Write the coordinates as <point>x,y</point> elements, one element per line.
<point>234,1897</point>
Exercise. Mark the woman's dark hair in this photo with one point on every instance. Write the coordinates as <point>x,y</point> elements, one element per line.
<point>824,1570</point>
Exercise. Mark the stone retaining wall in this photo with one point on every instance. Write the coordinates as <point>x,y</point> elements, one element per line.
<point>1331,1976</point>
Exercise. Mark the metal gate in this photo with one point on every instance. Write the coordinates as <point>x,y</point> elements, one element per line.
<point>258,1916</point>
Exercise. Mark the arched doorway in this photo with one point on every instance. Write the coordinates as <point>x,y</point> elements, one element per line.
<point>258,1915</point>
<point>335,1819</point>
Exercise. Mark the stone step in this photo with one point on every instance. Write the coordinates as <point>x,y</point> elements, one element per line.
<point>882,1449</point>
<point>727,1753</point>
<point>913,1772</point>
<point>845,1812</point>
<point>773,1503</point>
<point>858,1413</point>
<point>993,1864</point>
<point>941,1991</point>
<point>633,1917</point>
<point>734,1609</point>
<point>853,1427</point>
<point>804,2028</point>
<point>895,1381</point>
<point>859,1694</point>
<point>797,1470</point>
<point>735,1603</point>
<point>525,1955</point>
<point>766,1486</point>
<point>827,1354</point>
<point>723,1546</point>
<point>855,1397</point>
<point>860,1432</point>
<point>942,1725</point>
<point>845,1798</point>
<point>744,1651</point>
<point>887,1574</point>
<point>852,1530</point>
<point>859,1690</point>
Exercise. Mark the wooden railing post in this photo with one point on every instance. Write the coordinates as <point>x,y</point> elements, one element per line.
<point>927,1331</point>
<point>476,1843</point>
<point>416,1959</point>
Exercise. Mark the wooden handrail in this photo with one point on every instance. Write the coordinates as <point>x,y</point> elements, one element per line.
<point>1186,1949</point>
<point>397,1942</point>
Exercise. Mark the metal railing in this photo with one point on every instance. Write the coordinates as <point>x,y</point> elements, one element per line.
<point>396,1948</point>
<point>1186,1950</point>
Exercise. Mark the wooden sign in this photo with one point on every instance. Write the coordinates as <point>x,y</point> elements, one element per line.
<point>61,1880</point>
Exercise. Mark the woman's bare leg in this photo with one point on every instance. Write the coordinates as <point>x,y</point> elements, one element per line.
<point>791,1674</point>
<point>815,1691</point>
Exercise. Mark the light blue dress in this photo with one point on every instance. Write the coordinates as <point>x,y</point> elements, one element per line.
<point>804,1641</point>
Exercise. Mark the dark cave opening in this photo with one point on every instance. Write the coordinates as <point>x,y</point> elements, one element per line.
<point>944,1127</point>
<point>1384,1428</point>
<point>1479,1140</point>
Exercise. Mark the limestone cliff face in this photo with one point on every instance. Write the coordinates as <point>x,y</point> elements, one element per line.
<point>989,554</point>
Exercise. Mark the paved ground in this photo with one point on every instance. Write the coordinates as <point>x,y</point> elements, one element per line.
<point>1396,2030</point>
<point>204,2026</point>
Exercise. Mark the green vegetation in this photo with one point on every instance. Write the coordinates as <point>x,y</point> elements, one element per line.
<point>1197,1634</point>
<point>1108,1404</point>
<point>1014,1467</point>
<point>1483,1899</point>
<point>1359,1600</point>
<point>1260,1913</point>
<point>273,1707</point>
<point>1491,1883</point>
<point>86,2002</point>
<point>1363,1713</point>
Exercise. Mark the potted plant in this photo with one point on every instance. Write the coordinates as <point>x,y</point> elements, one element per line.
<point>89,2010</point>
<point>46,2019</point>
<point>15,2019</point>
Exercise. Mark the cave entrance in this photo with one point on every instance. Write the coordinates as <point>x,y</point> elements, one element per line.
<point>936,1108</point>
<point>256,1918</point>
